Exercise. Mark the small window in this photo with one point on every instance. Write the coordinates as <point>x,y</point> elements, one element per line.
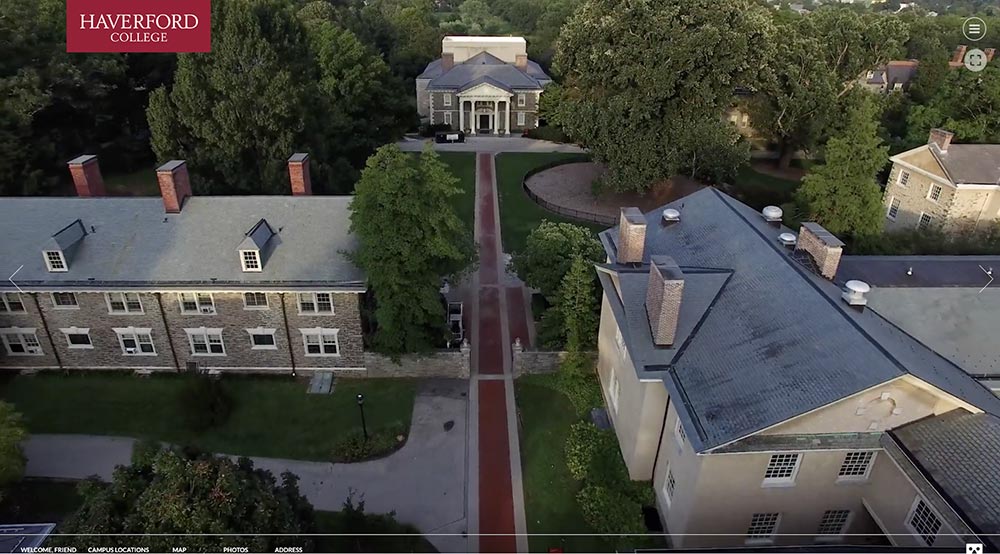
<point>316,303</point>
<point>135,341</point>
<point>11,302</point>
<point>521,99</point>
<point>669,485</point>
<point>614,390</point>
<point>447,118</point>
<point>856,465</point>
<point>197,303</point>
<point>833,525</point>
<point>924,222</point>
<point>123,303</point>
<point>64,300</point>
<point>679,434</point>
<point>924,522</point>
<point>935,193</point>
<point>320,342</point>
<point>520,118</point>
<point>447,101</point>
<point>620,340</point>
<point>206,342</point>
<point>250,260</point>
<point>262,339</point>
<point>54,260</point>
<point>255,300</point>
<point>781,469</point>
<point>77,339</point>
<point>763,528</point>
<point>21,342</point>
<point>904,178</point>
<point>893,208</point>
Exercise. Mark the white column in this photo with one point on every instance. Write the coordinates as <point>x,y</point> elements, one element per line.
<point>461,115</point>
<point>506,124</point>
<point>472,116</point>
<point>496,116</point>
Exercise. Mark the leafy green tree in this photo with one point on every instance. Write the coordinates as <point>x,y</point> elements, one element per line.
<point>549,252</point>
<point>409,240</point>
<point>638,73</point>
<point>931,72</point>
<point>12,433</point>
<point>842,193</point>
<point>578,304</point>
<point>475,18</point>
<point>965,103</point>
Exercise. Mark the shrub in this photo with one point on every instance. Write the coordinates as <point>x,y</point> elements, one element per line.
<point>354,447</point>
<point>581,446</point>
<point>206,403</point>
<point>610,512</point>
<point>576,379</point>
<point>430,130</point>
<point>548,132</point>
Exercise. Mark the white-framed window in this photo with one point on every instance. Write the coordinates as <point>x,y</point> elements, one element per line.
<point>196,303</point>
<point>315,303</point>
<point>135,341</point>
<point>123,303</point>
<point>923,522</point>
<point>856,466</point>
<point>893,208</point>
<point>614,390</point>
<point>924,222</point>
<point>833,525</point>
<point>934,194</point>
<point>64,301</point>
<point>763,528</point>
<point>320,341</point>
<point>904,178</point>
<point>255,301</point>
<point>11,302</point>
<point>520,118</point>
<point>620,340</point>
<point>782,469</point>
<point>262,339</point>
<point>54,261</point>
<point>446,98</point>
<point>679,434</point>
<point>77,338</point>
<point>206,342</point>
<point>21,341</point>
<point>447,118</point>
<point>250,260</point>
<point>669,484</point>
<point>521,99</point>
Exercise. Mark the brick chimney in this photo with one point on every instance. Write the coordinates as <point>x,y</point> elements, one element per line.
<point>941,138</point>
<point>663,299</point>
<point>447,61</point>
<point>959,56</point>
<point>175,185</point>
<point>824,248</point>
<point>87,176</point>
<point>521,62</point>
<point>298,174</point>
<point>631,236</point>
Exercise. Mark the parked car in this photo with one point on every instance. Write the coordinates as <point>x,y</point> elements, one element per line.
<point>449,136</point>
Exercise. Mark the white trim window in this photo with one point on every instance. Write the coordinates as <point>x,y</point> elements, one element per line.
<point>123,303</point>
<point>614,390</point>
<point>77,338</point>
<point>21,341</point>
<point>315,303</point>
<point>924,222</point>
<point>206,342</point>
<point>856,466</point>
<point>522,99</point>
<point>833,525</point>
<point>262,339</point>
<point>923,522</point>
<point>446,99</point>
<point>250,260</point>
<point>782,469</point>
<point>669,485</point>
<point>320,341</point>
<point>904,178</point>
<point>196,303</point>
<point>55,261</point>
<point>893,208</point>
<point>65,301</point>
<point>679,434</point>
<point>520,119</point>
<point>934,193</point>
<point>11,302</point>
<point>447,118</point>
<point>763,528</point>
<point>255,301</point>
<point>135,341</point>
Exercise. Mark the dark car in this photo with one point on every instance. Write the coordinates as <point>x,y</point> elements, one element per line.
<point>449,136</point>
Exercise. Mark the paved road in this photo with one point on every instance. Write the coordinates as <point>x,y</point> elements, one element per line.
<point>491,145</point>
<point>424,482</point>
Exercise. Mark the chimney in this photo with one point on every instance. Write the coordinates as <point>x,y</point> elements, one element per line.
<point>86,176</point>
<point>941,138</point>
<point>175,185</point>
<point>447,61</point>
<point>824,248</point>
<point>521,62</point>
<point>298,173</point>
<point>631,236</point>
<point>959,55</point>
<point>663,299</point>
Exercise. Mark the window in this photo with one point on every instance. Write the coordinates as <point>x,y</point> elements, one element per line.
<point>54,260</point>
<point>20,342</point>
<point>679,434</point>
<point>521,99</point>
<point>250,260</point>
<point>206,342</point>
<point>620,340</point>
<point>669,485</point>
<point>447,118</point>
<point>320,342</point>
<point>935,193</point>
<point>196,303</point>
<point>781,469</point>
<point>11,302</point>
<point>135,341</point>
<point>447,100</point>
<point>64,301</point>
<point>520,118</point>
<point>763,528</point>
<point>833,525</point>
<point>893,208</point>
<point>614,389</point>
<point>124,303</point>
<point>924,222</point>
<point>315,303</point>
<point>255,300</point>
<point>77,338</point>
<point>262,339</point>
<point>856,466</point>
<point>923,522</point>
<point>904,178</point>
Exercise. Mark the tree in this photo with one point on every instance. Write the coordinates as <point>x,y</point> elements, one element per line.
<point>579,307</point>
<point>639,73</point>
<point>549,252</point>
<point>409,240</point>
<point>966,103</point>
<point>842,194</point>
<point>199,495</point>
<point>12,434</point>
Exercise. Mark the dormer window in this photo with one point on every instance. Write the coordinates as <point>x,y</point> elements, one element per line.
<point>254,249</point>
<point>250,259</point>
<point>54,260</point>
<point>58,251</point>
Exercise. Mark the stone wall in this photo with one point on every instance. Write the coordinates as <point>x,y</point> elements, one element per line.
<point>530,362</point>
<point>452,363</point>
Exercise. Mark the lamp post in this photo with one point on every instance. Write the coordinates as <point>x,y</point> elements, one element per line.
<point>361,406</point>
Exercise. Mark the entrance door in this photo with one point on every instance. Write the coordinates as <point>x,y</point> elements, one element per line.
<point>484,123</point>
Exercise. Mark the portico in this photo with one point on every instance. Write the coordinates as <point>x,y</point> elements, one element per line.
<point>483,103</point>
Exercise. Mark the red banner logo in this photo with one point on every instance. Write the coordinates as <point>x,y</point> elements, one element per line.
<point>138,26</point>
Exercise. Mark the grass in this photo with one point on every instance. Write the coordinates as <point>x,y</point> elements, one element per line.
<point>39,501</point>
<point>549,490</point>
<point>272,416</point>
<point>518,213</point>
<point>463,166</point>
<point>760,189</point>
<point>341,523</point>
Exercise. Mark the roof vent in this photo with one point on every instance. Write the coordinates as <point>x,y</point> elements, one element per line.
<point>671,215</point>
<point>772,214</point>
<point>854,292</point>
<point>787,239</point>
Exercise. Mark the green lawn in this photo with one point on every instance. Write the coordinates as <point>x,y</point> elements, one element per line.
<point>759,189</point>
<point>518,213</point>
<point>549,490</point>
<point>463,165</point>
<point>272,416</point>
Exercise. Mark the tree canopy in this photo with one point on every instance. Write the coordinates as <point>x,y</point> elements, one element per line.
<point>966,103</point>
<point>578,305</point>
<point>549,252</point>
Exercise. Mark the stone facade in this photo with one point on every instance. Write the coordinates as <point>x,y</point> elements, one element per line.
<point>454,363</point>
<point>955,209</point>
<point>825,250</point>
<point>437,110</point>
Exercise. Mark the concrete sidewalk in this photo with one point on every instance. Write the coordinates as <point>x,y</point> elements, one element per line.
<point>490,145</point>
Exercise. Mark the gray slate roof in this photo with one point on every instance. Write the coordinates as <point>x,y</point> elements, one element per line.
<point>132,241</point>
<point>971,163</point>
<point>775,342</point>
<point>926,271</point>
<point>484,67</point>
<point>959,452</point>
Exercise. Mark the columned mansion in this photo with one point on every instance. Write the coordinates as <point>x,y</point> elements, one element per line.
<point>481,85</point>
